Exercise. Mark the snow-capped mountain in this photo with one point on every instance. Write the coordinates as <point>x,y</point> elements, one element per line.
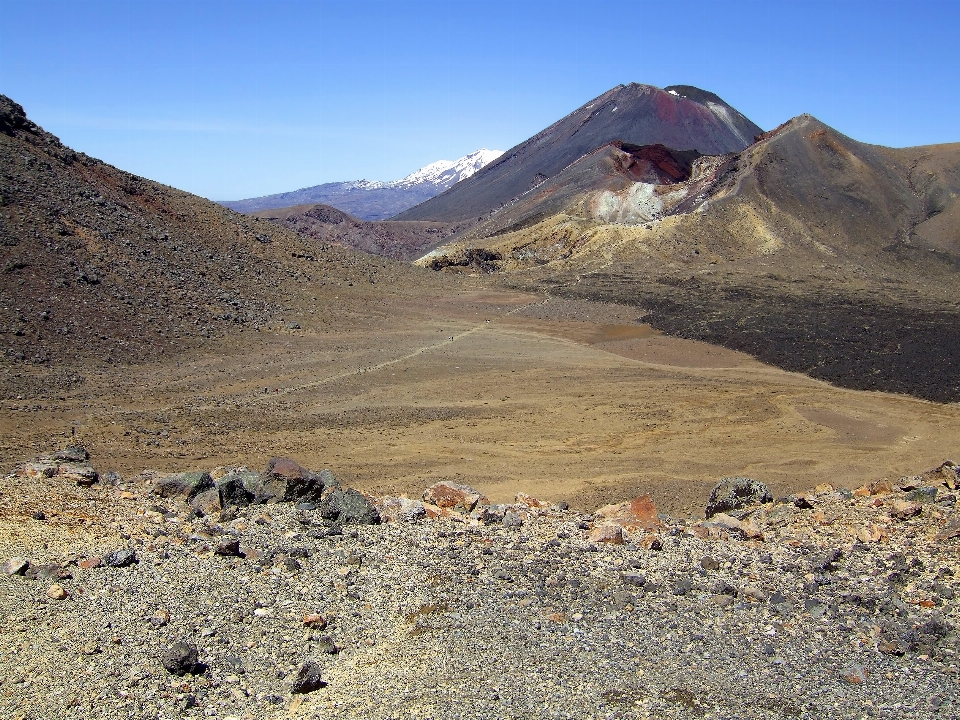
<point>444,173</point>
<point>373,199</point>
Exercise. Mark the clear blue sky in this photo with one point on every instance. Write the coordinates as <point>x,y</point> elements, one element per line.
<point>244,98</point>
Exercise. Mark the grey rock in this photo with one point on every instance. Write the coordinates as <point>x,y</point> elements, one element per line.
<point>633,578</point>
<point>512,520</point>
<point>207,502</point>
<point>735,493</point>
<point>308,679</point>
<point>348,507</point>
<point>326,645</point>
<point>72,453</point>
<point>709,564</point>
<point>923,495</point>
<point>814,607</point>
<point>683,586</point>
<point>120,558</point>
<point>16,566</point>
<point>182,658</point>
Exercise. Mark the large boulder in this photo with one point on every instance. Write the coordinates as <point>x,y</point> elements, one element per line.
<point>285,480</point>
<point>69,464</point>
<point>734,493</point>
<point>239,488</point>
<point>184,486</point>
<point>348,507</point>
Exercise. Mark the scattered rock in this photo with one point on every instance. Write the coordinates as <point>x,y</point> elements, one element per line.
<point>315,621</point>
<point>285,480</point>
<point>120,558</point>
<point>735,493</point>
<point>207,502</point>
<point>16,566</point>
<point>308,679</point>
<point>56,592</point>
<point>228,547</point>
<point>182,658</point>
<point>512,520</point>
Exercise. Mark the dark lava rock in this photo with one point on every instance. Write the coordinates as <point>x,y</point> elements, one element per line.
<point>119,558</point>
<point>182,658</point>
<point>73,453</point>
<point>348,507</point>
<point>308,679</point>
<point>238,488</point>
<point>228,547</point>
<point>183,485</point>
<point>825,562</point>
<point>737,492</point>
<point>284,479</point>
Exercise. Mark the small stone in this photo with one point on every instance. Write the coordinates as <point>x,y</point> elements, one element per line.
<point>623,599</point>
<point>803,503</point>
<point>633,578</point>
<point>56,592</point>
<point>308,679</point>
<point>182,658</point>
<point>228,547</point>
<point>120,558</point>
<point>39,515</point>
<point>923,495</point>
<point>315,621</point>
<point>326,645</point>
<point>160,618</point>
<point>753,594</point>
<point>709,564</point>
<point>814,607</point>
<point>722,601</point>
<point>683,587</point>
<point>16,566</point>
<point>90,563</point>
<point>90,648</point>
<point>855,675</point>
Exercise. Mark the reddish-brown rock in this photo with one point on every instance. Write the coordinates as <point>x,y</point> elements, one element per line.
<point>446,494</point>
<point>608,532</point>
<point>637,514</point>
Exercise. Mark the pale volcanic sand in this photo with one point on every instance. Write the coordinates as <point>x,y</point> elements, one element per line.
<point>561,400</point>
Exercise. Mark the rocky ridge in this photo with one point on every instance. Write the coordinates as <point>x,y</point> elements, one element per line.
<point>234,593</point>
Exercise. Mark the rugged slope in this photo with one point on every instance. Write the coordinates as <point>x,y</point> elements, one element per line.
<point>808,249</point>
<point>680,117</point>
<point>98,264</point>
<point>325,224</point>
<point>374,200</point>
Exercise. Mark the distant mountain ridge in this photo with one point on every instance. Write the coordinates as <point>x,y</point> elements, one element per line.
<point>373,199</point>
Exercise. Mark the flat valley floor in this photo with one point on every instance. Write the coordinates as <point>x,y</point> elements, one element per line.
<point>507,392</point>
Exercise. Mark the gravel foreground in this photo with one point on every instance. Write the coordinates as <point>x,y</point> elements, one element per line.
<point>828,605</point>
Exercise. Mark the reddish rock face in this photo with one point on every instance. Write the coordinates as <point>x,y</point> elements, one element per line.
<point>445,494</point>
<point>637,514</point>
<point>285,467</point>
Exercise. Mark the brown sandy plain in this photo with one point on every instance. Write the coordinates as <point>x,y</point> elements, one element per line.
<point>565,400</point>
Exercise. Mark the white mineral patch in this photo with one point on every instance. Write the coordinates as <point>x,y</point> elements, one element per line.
<point>641,203</point>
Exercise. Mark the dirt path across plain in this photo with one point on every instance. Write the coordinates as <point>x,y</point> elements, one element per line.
<point>504,391</point>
